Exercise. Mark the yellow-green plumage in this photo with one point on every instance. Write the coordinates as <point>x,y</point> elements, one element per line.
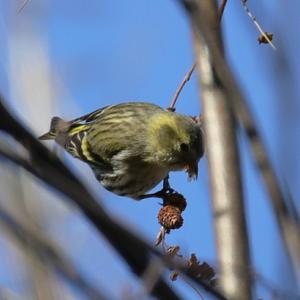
<point>132,146</point>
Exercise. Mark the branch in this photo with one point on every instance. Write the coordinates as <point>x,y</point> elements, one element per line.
<point>25,2</point>
<point>288,225</point>
<point>223,159</point>
<point>45,251</point>
<point>186,78</point>
<point>259,28</point>
<point>46,166</point>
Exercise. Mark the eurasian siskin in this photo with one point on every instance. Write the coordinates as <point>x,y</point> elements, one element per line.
<point>132,146</point>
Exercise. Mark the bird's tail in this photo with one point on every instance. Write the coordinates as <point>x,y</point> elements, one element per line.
<point>57,125</point>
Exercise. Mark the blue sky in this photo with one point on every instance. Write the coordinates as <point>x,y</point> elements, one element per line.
<point>105,52</point>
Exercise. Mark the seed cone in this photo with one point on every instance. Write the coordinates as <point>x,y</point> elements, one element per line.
<point>170,217</point>
<point>175,199</point>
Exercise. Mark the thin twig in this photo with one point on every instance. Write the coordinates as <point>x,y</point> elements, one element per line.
<point>180,87</point>
<point>189,73</point>
<point>25,2</point>
<point>253,18</point>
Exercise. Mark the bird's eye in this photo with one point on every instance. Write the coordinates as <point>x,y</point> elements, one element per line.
<point>184,147</point>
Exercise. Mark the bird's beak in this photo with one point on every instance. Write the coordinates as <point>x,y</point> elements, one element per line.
<point>192,170</point>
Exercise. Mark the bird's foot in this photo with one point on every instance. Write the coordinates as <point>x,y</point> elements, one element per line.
<point>162,194</point>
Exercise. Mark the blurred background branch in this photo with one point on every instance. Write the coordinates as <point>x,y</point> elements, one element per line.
<point>286,221</point>
<point>48,255</point>
<point>47,167</point>
<point>223,159</point>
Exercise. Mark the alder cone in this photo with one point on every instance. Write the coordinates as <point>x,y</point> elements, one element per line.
<point>175,199</point>
<point>170,217</point>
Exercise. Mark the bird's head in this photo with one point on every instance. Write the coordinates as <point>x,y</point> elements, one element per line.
<point>175,142</point>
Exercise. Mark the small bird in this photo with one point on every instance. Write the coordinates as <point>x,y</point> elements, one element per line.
<point>132,146</point>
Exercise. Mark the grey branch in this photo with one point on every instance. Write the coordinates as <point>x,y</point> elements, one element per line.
<point>288,225</point>
<point>48,253</point>
<point>223,158</point>
<point>47,167</point>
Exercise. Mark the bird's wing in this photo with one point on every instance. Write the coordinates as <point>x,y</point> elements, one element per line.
<point>90,117</point>
<point>121,127</point>
<point>76,143</point>
<point>114,129</point>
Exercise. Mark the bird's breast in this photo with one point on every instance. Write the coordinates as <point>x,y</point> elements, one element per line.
<point>133,180</point>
